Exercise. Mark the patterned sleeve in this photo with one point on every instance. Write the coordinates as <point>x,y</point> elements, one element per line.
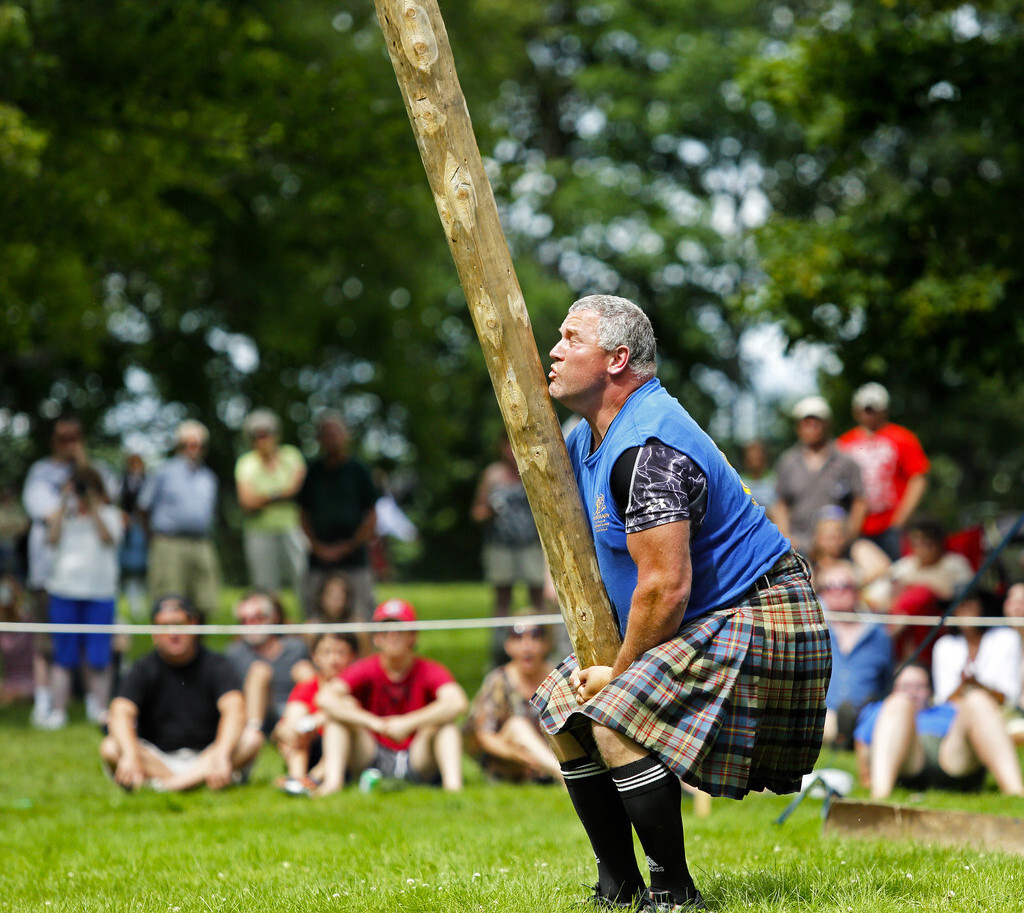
<point>667,487</point>
<point>490,709</point>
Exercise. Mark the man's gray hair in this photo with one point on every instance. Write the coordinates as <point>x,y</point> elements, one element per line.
<point>191,428</point>
<point>622,323</point>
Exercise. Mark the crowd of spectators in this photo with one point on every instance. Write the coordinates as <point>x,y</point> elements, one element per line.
<point>921,707</point>
<point>918,709</point>
<point>332,704</point>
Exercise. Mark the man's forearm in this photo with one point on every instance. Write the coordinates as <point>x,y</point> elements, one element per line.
<point>915,490</point>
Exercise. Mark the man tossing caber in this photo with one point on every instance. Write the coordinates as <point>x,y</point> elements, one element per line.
<point>725,659</point>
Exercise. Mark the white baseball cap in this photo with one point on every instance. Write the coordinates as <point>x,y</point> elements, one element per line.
<point>871,396</point>
<point>812,407</point>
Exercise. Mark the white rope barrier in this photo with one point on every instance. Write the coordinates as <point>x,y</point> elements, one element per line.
<point>451,624</point>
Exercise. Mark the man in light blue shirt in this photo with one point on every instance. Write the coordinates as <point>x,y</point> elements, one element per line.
<point>179,502</point>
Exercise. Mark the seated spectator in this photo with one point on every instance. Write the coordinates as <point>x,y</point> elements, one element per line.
<point>178,718</point>
<point>830,546</point>
<point>269,666</point>
<point>16,647</point>
<point>298,735</point>
<point>502,730</point>
<point>84,533</point>
<point>394,711</point>
<point>923,583</point>
<point>861,654</point>
<point>906,740</point>
<point>333,601</point>
<point>977,657</point>
<point>1013,608</point>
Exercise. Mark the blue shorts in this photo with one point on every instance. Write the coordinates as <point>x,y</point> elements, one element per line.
<point>68,648</point>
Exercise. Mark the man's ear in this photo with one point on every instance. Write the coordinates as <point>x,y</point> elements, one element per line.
<point>620,360</point>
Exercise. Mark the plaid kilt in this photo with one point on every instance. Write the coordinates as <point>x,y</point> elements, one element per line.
<point>734,703</point>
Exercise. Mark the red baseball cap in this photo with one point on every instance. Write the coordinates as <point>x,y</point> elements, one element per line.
<point>394,610</point>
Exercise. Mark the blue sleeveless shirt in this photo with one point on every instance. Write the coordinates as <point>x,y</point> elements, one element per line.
<point>735,544</point>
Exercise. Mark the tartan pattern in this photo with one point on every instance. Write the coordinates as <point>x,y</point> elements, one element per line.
<point>734,703</point>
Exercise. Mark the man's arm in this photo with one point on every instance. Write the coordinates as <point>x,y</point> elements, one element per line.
<point>855,520</point>
<point>336,700</point>
<point>780,516</point>
<point>916,487</point>
<point>662,558</point>
<point>445,707</point>
<point>121,728</point>
<point>231,705</point>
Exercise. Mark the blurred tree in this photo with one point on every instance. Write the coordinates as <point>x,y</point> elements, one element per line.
<point>211,205</point>
<point>895,239</point>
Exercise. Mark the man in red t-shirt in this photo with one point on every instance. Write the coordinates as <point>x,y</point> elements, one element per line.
<point>892,463</point>
<point>395,711</point>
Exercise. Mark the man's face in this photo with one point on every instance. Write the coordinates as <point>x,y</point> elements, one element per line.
<point>333,438</point>
<point>579,366</point>
<point>395,644</point>
<point>838,590</point>
<point>810,430</point>
<point>67,440</point>
<point>871,418</point>
<point>191,446</point>
<point>176,649</point>
<point>255,611</point>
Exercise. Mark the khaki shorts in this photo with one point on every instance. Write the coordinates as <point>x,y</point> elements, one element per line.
<point>506,565</point>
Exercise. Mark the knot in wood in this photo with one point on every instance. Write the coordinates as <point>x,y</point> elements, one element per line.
<point>418,39</point>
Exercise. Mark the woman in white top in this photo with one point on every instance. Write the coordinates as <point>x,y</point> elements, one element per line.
<point>977,657</point>
<point>84,532</point>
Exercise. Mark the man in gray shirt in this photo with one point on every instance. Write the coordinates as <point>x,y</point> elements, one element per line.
<point>179,503</point>
<point>269,666</point>
<point>814,474</point>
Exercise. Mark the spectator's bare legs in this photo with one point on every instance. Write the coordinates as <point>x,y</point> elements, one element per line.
<point>292,745</point>
<point>831,732</point>
<point>895,748</point>
<point>60,688</point>
<point>438,749</point>
<point>523,735</point>
<point>256,691</point>
<point>208,766</point>
<point>978,735</point>
<point>98,683</point>
<point>345,749</point>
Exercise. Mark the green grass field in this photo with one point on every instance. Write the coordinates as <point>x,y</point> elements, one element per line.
<point>72,841</point>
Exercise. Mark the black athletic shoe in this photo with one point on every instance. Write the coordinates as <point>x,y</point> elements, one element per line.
<point>664,902</point>
<point>597,901</point>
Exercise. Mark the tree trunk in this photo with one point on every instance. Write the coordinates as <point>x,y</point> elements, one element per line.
<point>423,62</point>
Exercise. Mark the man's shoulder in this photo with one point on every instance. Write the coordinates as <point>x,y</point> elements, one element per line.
<point>422,665</point>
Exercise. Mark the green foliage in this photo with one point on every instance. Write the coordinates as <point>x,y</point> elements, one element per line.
<point>892,239</point>
<point>211,205</point>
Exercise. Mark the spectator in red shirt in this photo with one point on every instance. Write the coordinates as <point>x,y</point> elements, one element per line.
<point>298,734</point>
<point>394,711</point>
<point>893,467</point>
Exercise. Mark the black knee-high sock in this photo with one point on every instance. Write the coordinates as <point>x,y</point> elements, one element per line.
<point>651,793</point>
<point>601,812</point>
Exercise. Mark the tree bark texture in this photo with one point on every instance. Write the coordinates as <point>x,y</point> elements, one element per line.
<point>422,57</point>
